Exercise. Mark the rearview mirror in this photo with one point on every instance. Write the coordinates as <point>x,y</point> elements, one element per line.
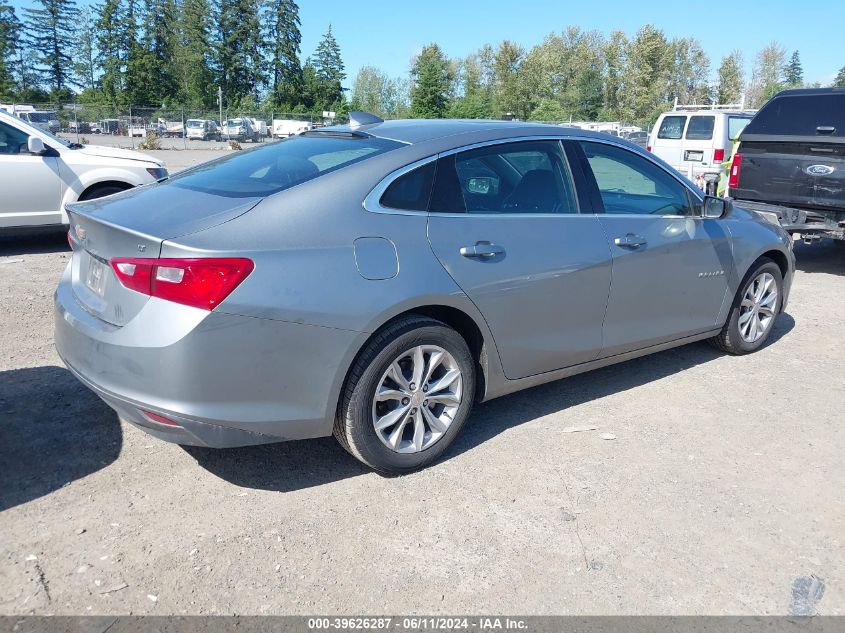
<point>715,208</point>
<point>35,145</point>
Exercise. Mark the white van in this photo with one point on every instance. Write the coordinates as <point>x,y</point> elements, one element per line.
<point>697,142</point>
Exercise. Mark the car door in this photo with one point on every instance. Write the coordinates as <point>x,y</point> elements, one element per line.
<point>30,187</point>
<point>670,266</point>
<point>504,222</point>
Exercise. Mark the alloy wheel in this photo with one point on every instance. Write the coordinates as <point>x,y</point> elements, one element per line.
<point>757,310</point>
<point>417,399</point>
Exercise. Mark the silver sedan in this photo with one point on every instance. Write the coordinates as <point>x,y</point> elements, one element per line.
<point>374,281</point>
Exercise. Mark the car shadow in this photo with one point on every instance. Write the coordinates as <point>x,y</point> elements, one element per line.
<point>52,431</point>
<point>821,257</point>
<point>291,466</point>
<point>39,242</point>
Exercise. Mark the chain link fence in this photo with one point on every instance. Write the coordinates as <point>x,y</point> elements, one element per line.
<point>164,127</point>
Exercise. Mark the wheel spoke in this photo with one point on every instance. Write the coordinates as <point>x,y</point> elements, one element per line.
<point>743,318</point>
<point>396,434</point>
<point>766,311</point>
<point>434,423</point>
<point>386,393</point>
<point>446,397</point>
<point>419,430</point>
<point>434,361</point>
<point>419,366</point>
<point>445,381</point>
<point>391,418</point>
<point>395,372</point>
<point>747,302</point>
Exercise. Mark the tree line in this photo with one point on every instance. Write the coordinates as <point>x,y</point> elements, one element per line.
<point>178,52</point>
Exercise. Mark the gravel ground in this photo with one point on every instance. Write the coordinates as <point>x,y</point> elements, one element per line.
<point>720,494</point>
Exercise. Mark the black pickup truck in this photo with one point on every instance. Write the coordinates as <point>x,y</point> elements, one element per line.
<point>791,162</point>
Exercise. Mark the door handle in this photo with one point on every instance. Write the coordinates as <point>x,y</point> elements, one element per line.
<point>482,249</point>
<point>630,241</point>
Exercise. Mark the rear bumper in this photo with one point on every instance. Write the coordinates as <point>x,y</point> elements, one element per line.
<point>802,221</point>
<point>227,380</point>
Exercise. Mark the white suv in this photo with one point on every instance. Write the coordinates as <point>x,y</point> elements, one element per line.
<point>40,173</point>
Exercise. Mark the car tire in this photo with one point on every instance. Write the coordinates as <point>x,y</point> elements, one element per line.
<point>402,447</point>
<point>741,333</point>
<point>101,192</point>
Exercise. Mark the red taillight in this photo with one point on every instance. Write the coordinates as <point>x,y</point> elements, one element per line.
<point>648,148</point>
<point>201,283</point>
<point>718,155</point>
<point>155,417</point>
<point>70,240</point>
<point>736,167</point>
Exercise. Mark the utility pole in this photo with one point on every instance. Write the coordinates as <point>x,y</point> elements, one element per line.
<point>220,103</point>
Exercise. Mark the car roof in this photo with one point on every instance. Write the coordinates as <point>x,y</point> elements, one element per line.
<point>414,131</point>
<point>806,92</point>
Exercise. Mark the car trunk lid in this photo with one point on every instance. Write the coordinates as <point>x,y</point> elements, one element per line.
<point>134,224</point>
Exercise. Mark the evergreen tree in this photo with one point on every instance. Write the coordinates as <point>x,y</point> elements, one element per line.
<point>649,68</point>
<point>112,45</point>
<point>839,80</point>
<point>328,66</point>
<point>85,54</point>
<point>508,89</point>
<point>793,73</point>
<point>615,60</point>
<point>10,28</point>
<point>194,54</point>
<point>50,34</point>
<point>432,80</point>
<point>282,39</point>
<point>730,78</point>
<point>238,50</point>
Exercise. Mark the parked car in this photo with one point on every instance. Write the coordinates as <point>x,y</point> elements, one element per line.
<point>790,163</point>
<point>44,119</point>
<point>282,128</point>
<point>40,173</point>
<point>202,129</point>
<point>638,138</point>
<point>697,142</point>
<point>240,130</point>
<point>374,281</point>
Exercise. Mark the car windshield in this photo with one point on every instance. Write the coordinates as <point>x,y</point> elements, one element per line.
<point>278,166</point>
<point>193,123</point>
<point>37,131</point>
<point>41,117</point>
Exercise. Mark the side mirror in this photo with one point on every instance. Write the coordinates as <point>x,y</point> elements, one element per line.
<point>715,208</point>
<point>35,145</point>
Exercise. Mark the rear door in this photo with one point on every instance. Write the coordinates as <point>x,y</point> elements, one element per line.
<point>670,267</point>
<point>504,222</point>
<point>668,142</point>
<point>699,143</point>
<point>793,152</point>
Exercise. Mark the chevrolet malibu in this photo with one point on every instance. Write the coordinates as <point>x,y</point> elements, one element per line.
<point>374,281</point>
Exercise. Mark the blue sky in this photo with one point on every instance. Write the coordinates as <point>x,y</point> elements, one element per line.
<point>387,34</point>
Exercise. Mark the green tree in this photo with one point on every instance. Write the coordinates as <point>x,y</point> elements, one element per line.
<point>329,70</point>
<point>793,73</point>
<point>509,91</point>
<point>767,76</point>
<point>550,111</point>
<point>282,39</point>
<point>690,71</point>
<point>193,56</point>
<point>615,52</point>
<point>730,81</point>
<point>85,53</point>
<point>10,28</point>
<point>238,51</point>
<point>432,80</point>
<point>839,80</point>
<point>50,31</point>
<point>649,65</point>
<point>113,39</point>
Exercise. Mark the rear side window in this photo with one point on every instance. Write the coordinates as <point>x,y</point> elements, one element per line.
<point>520,177</point>
<point>736,124</point>
<point>410,191</point>
<point>700,128</point>
<point>278,166</point>
<point>672,127</point>
<point>801,115</point>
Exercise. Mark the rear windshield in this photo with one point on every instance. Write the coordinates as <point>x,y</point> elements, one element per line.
<point>277,166</point>
<point>672,127</point>
<point>801,115</point>
<point>700,128</point>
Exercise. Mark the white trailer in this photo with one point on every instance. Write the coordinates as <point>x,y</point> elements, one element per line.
<point>282,128</point>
